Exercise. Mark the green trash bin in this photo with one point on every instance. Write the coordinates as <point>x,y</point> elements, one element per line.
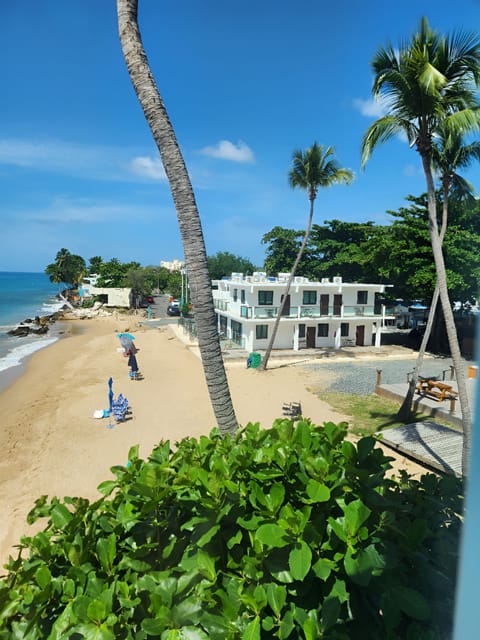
<point>254,359</point>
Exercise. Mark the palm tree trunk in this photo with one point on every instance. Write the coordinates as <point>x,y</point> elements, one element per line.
<point>187,213</point>
<point>448,314</point>
<point>405,411</point>
<point>263,365</point>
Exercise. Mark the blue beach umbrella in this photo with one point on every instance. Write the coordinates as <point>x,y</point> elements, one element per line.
<point>126,340</point>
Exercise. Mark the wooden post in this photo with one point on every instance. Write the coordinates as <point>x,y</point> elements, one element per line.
<point>452,372</point>
<point>379,377</point>
<point>452,404</point>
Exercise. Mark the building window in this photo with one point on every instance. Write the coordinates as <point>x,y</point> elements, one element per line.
<point>322,331</point>
<point>242,296</point>
<point>344,329</point>
<point>235,295</point>
<point>362,297</point>
<point>309,297</point>
<point>301,331</point>
<point>261,331</point>
<point>265,298</point>
<point>236,331</point>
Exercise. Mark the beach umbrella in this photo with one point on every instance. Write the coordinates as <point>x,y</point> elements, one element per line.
<point>110,394</point>
<point>126,340</point>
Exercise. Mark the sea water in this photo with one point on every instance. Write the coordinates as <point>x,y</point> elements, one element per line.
<point>24,296</point>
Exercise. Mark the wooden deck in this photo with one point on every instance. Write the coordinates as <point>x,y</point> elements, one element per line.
<point>436,446</point>
<point>431,444</point>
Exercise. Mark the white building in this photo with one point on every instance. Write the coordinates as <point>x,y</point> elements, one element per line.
<point>330,313</point>
<point>173,265</point>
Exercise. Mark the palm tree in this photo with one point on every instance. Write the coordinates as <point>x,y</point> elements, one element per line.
<point>449,153</point>
<point>187,212</point>
<point>312,169</point>
<point>427,83</point>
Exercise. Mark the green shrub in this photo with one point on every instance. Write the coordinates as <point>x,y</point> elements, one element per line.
<point>291,532</point>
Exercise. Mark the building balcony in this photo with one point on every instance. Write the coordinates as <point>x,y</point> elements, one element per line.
<point>305,311</point>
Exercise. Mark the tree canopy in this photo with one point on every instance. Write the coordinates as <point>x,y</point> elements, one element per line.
<point>399,254</point>
<point>67,268</point>
<point>224,263</point>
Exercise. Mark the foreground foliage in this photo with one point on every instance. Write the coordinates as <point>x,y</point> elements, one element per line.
<point>291,532</point>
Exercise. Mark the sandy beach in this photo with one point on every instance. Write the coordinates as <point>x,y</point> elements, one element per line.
<point>51,443</point>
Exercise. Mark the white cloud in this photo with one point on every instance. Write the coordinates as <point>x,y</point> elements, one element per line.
<point>370,108</point>
<point>95,162</point>
<point>226,150</point>
<point>148,167</point>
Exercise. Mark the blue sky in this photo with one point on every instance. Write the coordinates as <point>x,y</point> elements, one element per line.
<point>244,83</point>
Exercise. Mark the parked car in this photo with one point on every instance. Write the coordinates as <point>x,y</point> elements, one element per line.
<point>173,308</point>
<point>146,301</point>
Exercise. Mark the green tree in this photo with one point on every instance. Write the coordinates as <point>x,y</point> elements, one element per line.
<point>156,278</point>
<point>94,264</point>
<point>137,281</point>
<point>113,273</point>
<point>187,213</point>
<point>224,263</point>
<point>449,154</point>
<point>282,249</point>
<point>313,168</point>
<point>428,81</point>
<point>347,249</point>
<point>67,268</point>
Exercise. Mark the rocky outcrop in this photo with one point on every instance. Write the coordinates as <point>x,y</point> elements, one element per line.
<point>38,326</point>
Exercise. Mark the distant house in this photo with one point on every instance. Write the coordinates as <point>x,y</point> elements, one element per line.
<point>329,313</point>
<point>109,296</point>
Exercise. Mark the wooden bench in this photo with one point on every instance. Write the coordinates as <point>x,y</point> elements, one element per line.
<point>437,390</point>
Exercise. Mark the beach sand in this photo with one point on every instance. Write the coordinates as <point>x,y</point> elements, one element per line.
<point>51,443</point>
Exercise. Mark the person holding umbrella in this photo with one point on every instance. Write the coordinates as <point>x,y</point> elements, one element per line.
<point>133,364</point>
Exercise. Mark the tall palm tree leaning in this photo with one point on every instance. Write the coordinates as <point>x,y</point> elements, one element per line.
<point>449,153</point>
<point>427,83</point>
<point>312,169</point>
<point>187,212</point>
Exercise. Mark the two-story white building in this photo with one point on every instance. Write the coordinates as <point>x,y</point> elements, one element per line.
<point>330,313</point>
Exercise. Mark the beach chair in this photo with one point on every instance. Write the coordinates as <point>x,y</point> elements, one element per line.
<point>120,408</point>
<point>292,409</point>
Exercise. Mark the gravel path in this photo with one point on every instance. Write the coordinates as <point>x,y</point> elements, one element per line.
<point>360,377</point>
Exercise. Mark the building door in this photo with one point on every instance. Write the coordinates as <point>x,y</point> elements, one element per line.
<point>286,308</point>
<point>310,337</point>
<point>360,335</point>
<point>324,304</point>
<point>337,304</point>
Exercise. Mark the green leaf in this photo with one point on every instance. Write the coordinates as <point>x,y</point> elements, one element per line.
<point>323,568</point>
<point>317,491</point>
<point>356,513</point>
<point>94,632</point>
<point>330,611</point>
<point>153,627</point>
<point>252,630</point>
<point>206,565</point>
<point>276,597</point>
<point>96,611</point>
<point>271,535</point>
<point>43,576</point>
<point>106,551</point>
<point>286,626</point>
<point>300,560</point>
<point>61,516</point>
<point>107,487</point>
<point>360,565</point>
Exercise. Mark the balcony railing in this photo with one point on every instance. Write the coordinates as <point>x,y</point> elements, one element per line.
<point>305,311</point>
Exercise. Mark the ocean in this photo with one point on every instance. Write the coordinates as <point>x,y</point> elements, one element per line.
<point>22,296</point>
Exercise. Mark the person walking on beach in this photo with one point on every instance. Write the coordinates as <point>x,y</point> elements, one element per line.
<point>133,364</point>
